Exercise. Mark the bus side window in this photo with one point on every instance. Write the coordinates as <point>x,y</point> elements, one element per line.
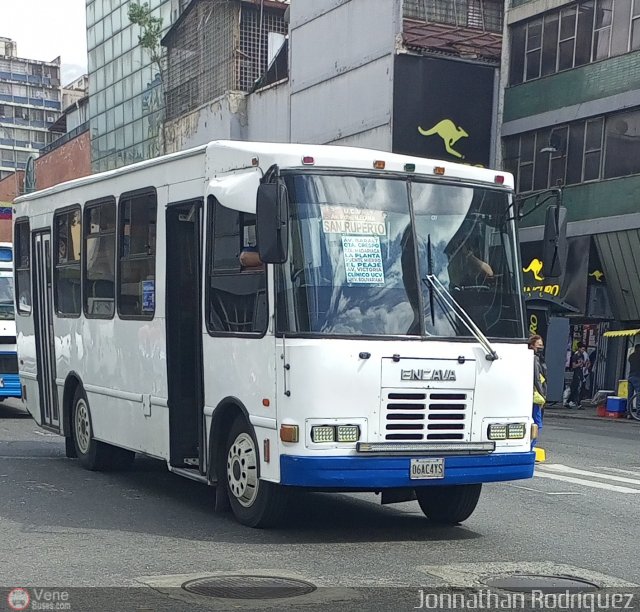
<point>100,260</point>
<point>23,267</point>
<point>237,292</point>
<point>67,250</point>
<point>137,258</point>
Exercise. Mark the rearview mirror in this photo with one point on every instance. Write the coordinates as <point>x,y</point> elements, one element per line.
<point>272,219</point>
<point>554,245</point>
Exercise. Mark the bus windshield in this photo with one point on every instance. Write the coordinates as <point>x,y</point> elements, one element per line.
<point>7,311</point>
<point>362,250</point>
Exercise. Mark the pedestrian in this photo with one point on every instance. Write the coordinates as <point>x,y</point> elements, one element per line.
<point>634,371</point>
<point>577,380</point>
<point>536,344</point>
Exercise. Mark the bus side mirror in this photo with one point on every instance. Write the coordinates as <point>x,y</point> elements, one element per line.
<point>272,221</point>
<point>554,245</point>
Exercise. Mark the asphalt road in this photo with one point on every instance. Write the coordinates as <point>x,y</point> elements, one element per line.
<point>61,526</point>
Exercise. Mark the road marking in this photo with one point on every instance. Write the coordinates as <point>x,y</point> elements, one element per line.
<point>558,467</point>
<point>587,483</point>
<point>545,492</point>
<point>635,472</point>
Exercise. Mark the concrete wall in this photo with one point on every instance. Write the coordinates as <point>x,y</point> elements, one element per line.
<point>268,114</point>
<point>71,160</point>
<point>224,118</point>
<point>341,71</point>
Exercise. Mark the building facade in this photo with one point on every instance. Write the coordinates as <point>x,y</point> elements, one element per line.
<point>30,102</point>
<point>126,98</point>
<point>571,117</point>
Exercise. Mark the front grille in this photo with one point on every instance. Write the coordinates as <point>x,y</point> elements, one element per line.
<point>8,363</point>
<point>428,415</point>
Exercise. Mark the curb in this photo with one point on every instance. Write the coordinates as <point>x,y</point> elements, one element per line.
<point>570,414</point>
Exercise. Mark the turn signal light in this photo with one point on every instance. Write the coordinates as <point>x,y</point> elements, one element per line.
<point>289,433</point>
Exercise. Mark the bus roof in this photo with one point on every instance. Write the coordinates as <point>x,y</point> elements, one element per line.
<point>288,155</point>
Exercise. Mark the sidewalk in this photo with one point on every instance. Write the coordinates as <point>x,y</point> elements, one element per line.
<point>587,413</point>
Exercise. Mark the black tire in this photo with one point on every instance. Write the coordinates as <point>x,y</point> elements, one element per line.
<point>449,505</point>
<point>92,454</point>
<point>254,502</point>
<point>633,407</point>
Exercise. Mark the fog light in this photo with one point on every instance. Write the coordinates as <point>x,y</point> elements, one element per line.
<point>497,431</point>
<point>516,431</point>
<point>348,433</point>
<point>323,433</point>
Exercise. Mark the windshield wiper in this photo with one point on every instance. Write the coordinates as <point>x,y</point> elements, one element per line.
<point>430,273</point>
<point>446,298</point>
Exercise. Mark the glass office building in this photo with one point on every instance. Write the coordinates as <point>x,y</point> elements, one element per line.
<point>125,96</point>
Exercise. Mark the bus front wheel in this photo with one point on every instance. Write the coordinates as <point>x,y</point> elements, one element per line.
<point>255,502</point>
<point>449,505</point>
<point>92,454</point>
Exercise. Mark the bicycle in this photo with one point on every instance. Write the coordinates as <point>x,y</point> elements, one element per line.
<point>633,406</point>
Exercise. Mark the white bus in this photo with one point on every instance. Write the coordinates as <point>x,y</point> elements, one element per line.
<point>269,317</point>
<point>9,379</point>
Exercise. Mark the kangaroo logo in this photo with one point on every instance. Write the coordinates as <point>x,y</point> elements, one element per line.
<point>450,134</point>
<point>536,267</point>
<point>597,274</point>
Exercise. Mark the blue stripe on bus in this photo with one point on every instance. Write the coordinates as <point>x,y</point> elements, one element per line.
<point>10,385</point>
<point>379,472</point>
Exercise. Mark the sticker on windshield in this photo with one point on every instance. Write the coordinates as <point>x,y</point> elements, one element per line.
<point>363,260</point>
<point>345,220</point>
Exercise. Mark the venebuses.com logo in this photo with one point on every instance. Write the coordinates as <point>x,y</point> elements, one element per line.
<point>18,599</point>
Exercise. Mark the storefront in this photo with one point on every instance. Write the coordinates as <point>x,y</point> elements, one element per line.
<point>566,311</point>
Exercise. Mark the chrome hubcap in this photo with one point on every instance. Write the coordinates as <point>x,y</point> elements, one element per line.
<point>242,470</point>
<point>82,426</point>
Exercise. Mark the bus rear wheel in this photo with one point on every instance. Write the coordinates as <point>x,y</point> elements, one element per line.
<point>254,502</point>
<point>449,505</point>
<point>92,454</point>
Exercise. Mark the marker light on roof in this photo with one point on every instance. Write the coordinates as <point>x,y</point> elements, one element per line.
<point>254,161</point>
<point>409,167</point>
<point>438,170</point>
<point>379,164</point>
<point>307,160</point>
<point>499,179</point>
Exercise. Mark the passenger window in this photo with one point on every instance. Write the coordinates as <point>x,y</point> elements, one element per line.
<point>137,259</point>
<point>100,260</point>
<point>66,275</point>
<point>23,267</point>
<point>237,286</point>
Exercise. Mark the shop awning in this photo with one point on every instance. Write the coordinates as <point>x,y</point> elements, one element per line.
<point>621,332</point>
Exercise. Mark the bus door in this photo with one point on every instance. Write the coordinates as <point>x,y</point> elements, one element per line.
<point>45,339</point>
<point>184,335</point>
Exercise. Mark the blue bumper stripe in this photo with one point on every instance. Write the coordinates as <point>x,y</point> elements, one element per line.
<point>11,386</point>
<point>378,472</point>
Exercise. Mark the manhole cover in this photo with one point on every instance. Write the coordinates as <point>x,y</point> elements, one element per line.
<point>525,583</point>
<point>249,587</point>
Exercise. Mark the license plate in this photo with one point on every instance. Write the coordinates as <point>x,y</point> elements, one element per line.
<point>423,469</point>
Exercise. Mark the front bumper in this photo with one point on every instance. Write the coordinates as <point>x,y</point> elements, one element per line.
<point>378,472</point>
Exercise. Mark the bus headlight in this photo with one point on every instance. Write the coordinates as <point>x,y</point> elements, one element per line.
<point>516,431</point>
<point>335,433</point>
<point>348,433</point>
<point>497,431</point>
<point>323,433</point>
